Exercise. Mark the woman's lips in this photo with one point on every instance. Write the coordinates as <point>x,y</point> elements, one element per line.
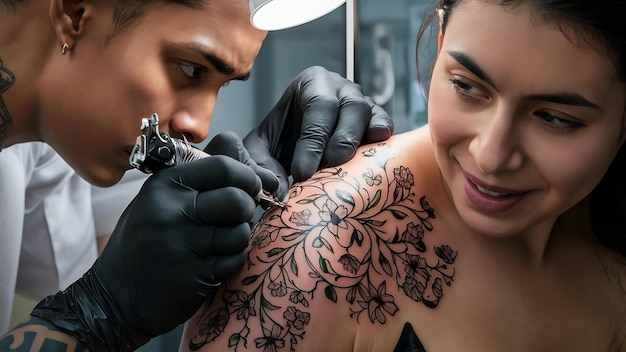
<point>490,198</point>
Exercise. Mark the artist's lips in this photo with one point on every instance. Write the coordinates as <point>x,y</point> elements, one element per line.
<point>489,197</point>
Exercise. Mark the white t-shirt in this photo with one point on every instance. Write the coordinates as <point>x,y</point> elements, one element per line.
<point>47,232</point>
<point>109,203</point>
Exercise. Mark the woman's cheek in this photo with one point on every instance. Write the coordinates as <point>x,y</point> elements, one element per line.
<point>440,112</point>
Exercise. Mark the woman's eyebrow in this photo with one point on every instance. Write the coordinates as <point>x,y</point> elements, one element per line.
<point>566,98</point>
<point>472,66</point>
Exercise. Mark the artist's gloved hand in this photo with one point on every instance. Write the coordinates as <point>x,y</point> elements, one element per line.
<point>183,234</point>
<point>318,122</point>
<point>229,144</point>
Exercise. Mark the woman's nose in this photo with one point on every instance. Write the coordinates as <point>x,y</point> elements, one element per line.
<point>495,146</point>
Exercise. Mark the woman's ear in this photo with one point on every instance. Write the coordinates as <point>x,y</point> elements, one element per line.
<point>439,42</point>
<point>68,19</point>
<point>440,15</point>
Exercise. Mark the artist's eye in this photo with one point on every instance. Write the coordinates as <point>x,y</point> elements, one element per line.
<point>192,71</point>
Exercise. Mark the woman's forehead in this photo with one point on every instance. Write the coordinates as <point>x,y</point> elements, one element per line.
<point>538,13</point>
<point>498,21</point>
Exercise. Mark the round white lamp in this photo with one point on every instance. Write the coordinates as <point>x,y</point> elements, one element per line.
<point>271,15</point>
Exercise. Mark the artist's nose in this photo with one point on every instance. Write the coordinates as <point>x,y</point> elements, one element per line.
<point>495,147</point>
<point>193,118</point>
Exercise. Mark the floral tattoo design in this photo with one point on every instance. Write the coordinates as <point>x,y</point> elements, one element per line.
<point>350,238</point>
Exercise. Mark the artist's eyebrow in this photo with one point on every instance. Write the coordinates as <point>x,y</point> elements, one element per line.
<point>565,98</point>
<point>219,63</point>
<point>472,66</point>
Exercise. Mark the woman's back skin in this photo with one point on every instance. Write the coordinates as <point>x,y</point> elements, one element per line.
<point>372,245</point>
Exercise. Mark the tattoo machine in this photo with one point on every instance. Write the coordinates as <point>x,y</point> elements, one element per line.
<point>155,151</point>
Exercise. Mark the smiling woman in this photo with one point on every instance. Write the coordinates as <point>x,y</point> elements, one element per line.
<point>477,232</point>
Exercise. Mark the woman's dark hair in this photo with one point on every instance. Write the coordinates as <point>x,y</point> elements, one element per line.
<point>600,25</point>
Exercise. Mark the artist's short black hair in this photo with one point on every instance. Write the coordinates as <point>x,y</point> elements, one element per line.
<point>11,5</point>
<point>125,12</point>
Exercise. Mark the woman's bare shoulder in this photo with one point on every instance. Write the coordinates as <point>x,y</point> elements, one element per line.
<point>353,243</point>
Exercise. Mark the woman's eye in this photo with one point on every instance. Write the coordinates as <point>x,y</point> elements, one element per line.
<point>466,90</point>
<point>192,71</point>
<point>557,123</point>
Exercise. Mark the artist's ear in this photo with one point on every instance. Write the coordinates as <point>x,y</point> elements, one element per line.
<point>68,18</point>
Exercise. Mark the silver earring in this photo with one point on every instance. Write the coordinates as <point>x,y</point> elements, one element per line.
<point>64,48</point>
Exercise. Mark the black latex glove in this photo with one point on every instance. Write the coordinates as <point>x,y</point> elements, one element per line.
<point>183,234</point>
<point>318,122</point>
<point>229,144</point>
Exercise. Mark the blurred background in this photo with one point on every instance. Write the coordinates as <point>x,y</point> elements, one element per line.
<point>384,60</point>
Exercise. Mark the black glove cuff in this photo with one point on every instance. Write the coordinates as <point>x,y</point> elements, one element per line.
<point>80,313</point>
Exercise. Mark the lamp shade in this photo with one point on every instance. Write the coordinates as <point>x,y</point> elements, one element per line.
<point>272,15</point>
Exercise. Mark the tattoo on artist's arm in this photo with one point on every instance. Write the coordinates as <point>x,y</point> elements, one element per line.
<point>35,335</point>
<point>356,239</point>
